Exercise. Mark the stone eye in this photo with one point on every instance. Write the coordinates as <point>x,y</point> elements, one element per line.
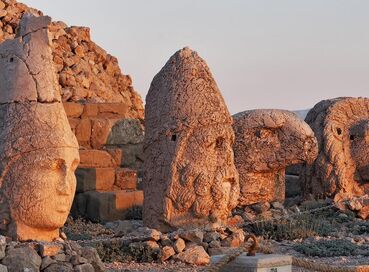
<point>174,137</point>
<point>219,142</point>
<point>352,137</point>
<point>57,165</point>
<point>339,131</point>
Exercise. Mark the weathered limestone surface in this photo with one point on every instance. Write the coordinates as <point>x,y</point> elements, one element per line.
<point>341,169</point>
<point>189,173</point>
<point>85,71</point>
<point>111,152</point>
<point>38,151</point>
<point>266,142</point>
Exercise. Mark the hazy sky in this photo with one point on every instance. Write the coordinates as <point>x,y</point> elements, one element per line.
<point>264,54</point>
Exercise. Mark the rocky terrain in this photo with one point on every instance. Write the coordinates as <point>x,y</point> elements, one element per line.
<point>329,235</point>
<point>86,71</point>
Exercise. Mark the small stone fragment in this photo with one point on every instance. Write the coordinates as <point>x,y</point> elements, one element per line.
<point>179,245</point>
<point>211,236</point>
<point>2,246</point>
<point>59,267</point>
<point>195,236</point>
<point>50,249</point>
<point>46,261</point>
<point>364,213</point>
<point>84,268</point>
<point>194,255</point>
<point>21,259</point>
<point>167,252</point>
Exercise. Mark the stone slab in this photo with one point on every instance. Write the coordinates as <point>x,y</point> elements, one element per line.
<point>73,110</point>
<point>125,178</point>
<point>98,158</point>
<point>91,179</point>
<point>258,263</point>
<point>111,206</point>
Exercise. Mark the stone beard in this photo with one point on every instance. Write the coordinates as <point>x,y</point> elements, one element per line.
<point>205,181</point>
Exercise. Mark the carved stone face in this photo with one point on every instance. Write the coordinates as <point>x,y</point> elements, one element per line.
<point>42,187</point>
<point>267,141</point>
<point>341,169</point>
<point>189,175</point>
<point>207,172</point>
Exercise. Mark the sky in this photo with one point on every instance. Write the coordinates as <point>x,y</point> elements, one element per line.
<point>287,54</point>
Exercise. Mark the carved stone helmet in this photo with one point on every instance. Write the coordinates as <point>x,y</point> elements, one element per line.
<point>183,95</point>
<point>190,176</point>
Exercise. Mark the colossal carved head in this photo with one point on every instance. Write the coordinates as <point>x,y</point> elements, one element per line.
<point>341,126</point>
<point>267,141</point>
<point>190,178</point>
<point>38,151</point>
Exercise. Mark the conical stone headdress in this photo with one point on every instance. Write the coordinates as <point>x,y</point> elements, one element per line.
<point>31,113</point>
<point>187,183</point>
<point>183,95</point>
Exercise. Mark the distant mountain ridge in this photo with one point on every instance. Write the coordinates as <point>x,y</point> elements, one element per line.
<point>301,113</point>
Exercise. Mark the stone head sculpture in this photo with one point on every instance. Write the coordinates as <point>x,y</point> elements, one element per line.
<point>341,169</point>
<point>267,141</point>
<point>190,178</point>
<point>38,151</point>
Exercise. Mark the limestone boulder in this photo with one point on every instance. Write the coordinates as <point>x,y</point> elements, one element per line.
<point>194,255</point>
<point>22,259</point>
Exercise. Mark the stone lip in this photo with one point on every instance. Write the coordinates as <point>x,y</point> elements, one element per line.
<point>258,261</point>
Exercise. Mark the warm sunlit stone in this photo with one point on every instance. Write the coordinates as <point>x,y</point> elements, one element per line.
<point>38,151</point>
<point>190,178</point>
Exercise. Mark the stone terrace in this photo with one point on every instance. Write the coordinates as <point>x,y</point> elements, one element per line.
<point>111,157</point>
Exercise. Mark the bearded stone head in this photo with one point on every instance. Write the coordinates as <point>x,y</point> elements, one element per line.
<point>341,169</point>
<point>38,151</point>
<point>190,178</point>
<point>267,141</point>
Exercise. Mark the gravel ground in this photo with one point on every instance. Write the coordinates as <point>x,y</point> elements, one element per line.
<point>154,267</point>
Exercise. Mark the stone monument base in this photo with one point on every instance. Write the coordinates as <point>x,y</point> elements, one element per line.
<point>258,263</point>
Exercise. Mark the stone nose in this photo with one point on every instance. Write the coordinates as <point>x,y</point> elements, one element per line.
<point>65,183</point>
<point>226,155</point>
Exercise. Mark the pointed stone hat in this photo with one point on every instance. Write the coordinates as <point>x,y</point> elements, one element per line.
<point>183,95</point>
<point>32,116</point>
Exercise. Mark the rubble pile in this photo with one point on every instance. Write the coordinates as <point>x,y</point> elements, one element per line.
<point>53,256</point>
<point>86,71</point>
